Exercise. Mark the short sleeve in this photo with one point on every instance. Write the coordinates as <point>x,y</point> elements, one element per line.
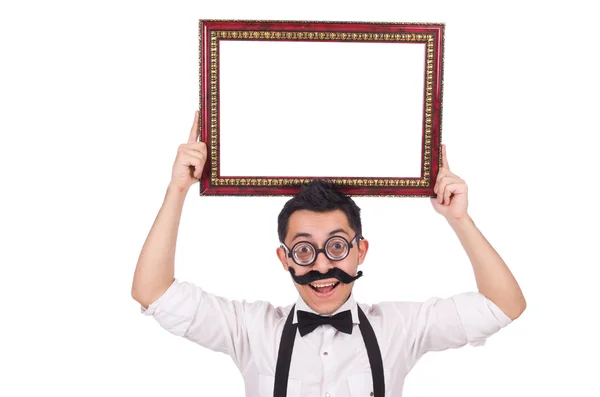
<point>440,324</point>
<point>480,317</point>
<point>216,323</point>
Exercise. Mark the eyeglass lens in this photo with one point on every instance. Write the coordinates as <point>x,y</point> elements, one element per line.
<point>336,248</point>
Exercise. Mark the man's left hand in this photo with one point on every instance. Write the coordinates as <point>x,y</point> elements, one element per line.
<point>451,190</point>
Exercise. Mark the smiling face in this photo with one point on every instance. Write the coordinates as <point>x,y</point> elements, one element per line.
<point>316,228</point>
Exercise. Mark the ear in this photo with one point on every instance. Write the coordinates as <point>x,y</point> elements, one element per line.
<point>282,258</point>
<point>363,247</point>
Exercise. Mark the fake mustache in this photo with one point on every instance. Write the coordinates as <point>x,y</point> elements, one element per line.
<point>314,275</point>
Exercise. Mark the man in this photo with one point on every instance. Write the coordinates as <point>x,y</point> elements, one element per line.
<point>325,344</point>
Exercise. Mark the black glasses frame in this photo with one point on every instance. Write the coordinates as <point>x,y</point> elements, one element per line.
<point>350,244</point>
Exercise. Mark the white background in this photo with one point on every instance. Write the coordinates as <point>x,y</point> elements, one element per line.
<point>319,107</point>
<point>96,97</point>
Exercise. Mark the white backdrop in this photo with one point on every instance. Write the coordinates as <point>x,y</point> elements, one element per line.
<point>95,98</point>
<point>347,94</point>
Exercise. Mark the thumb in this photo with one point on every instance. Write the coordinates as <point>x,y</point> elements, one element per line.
<point>194,130</point>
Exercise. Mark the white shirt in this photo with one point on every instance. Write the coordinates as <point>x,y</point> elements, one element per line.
<point>325,362</point>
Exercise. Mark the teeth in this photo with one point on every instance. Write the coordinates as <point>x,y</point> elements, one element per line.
<point>322,285</point>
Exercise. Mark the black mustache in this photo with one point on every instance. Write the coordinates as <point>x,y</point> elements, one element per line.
<point>314,275</point>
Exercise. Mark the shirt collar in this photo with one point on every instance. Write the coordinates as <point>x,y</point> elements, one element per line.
<point>350,304</point>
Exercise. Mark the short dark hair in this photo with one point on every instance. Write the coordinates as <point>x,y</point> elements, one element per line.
<point>319,195</point>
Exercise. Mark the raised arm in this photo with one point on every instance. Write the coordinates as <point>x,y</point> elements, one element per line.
<point>155,269</point>
<point>494,279</point>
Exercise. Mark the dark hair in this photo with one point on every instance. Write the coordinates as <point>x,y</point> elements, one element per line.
<point>319,195</point>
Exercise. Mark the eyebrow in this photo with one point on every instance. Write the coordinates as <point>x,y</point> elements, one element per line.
<point>330,233</point>
<point>336,231</point>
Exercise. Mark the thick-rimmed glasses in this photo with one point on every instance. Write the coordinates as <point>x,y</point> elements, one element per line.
<point>336,248</point>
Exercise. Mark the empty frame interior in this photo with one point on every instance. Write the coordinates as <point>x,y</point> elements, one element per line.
<point>319,109</point>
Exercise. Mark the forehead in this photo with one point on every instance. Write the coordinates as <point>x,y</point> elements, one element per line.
<point>318,224</point>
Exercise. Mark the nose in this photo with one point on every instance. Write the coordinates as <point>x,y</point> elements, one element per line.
<point>322,263</point>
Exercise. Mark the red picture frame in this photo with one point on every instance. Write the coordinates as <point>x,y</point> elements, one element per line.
<point>212,33</point>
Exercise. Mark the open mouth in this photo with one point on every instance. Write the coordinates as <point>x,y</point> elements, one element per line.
<point>324,289</point>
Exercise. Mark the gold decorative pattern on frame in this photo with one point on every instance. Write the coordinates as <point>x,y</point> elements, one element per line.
<point>215,36</point>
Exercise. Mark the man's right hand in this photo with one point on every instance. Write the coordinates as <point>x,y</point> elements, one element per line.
<point>190,160</point>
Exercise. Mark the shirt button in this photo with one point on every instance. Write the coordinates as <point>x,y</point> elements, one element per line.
<point>371,394</point>
<point>325,354</point>
<point>326,394</point>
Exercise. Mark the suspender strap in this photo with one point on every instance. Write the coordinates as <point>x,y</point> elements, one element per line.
<point>286,346</point>
<point>374,354</point>
<point>284,357</point>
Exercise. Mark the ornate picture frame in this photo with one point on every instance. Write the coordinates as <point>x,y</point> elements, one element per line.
<point>251,72</point>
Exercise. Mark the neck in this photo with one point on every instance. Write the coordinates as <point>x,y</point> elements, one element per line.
<point>328,314</point>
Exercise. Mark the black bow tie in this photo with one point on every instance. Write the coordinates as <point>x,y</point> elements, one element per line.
<point>307,322</point>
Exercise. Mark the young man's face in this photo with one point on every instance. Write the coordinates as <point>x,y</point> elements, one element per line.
<point>316,228</point>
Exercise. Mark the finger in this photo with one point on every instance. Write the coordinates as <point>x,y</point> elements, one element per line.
<point>441,186</point>
<point>194,131</point>
<point>447,194</point>
<point>447,177</point>
<point>444,172</point>
<point>198,171</point>
<point>440,191</point>
<point>445,158</point>
<point>199,167</point>
<point>451,189</point>
<point>199,147</point>
<point>196,147</point>
<point>441,174</point>
<point>436,189</point>
<point>187,152</point>
<point>193,158</point>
